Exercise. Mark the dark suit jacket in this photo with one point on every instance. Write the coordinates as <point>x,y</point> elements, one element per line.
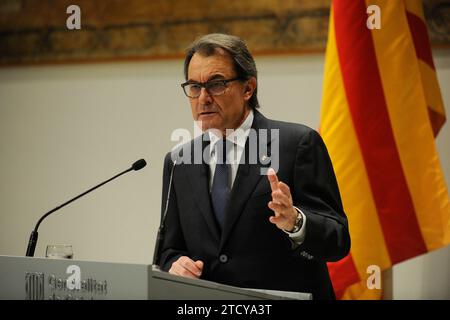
<point>250,251</point>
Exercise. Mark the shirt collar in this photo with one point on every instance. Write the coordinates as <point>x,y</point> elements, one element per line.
<point>238,136</point>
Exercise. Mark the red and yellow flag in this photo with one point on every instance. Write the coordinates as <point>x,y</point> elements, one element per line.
<point>381,110</point>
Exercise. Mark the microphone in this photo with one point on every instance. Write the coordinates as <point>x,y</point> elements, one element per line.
<point>138,165</point>
<point>160,235</point>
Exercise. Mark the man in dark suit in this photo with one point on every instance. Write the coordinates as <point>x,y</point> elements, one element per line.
<point>241,222</point>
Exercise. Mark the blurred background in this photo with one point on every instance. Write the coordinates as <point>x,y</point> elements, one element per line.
<point>79,106</point>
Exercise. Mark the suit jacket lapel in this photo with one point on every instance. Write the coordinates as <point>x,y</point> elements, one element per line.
<point>247,178</point>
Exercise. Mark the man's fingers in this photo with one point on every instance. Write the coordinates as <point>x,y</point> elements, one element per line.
<point>277,220</point>
<point>284,188</point>
<point>277,208</point>
<point>191,266</point>
<point>186,267</point>
<point>179,270</point>
<point>199,264</point>
<point>274,219</point>
<point>273,207</point>
<point>281,203</point>
<point>273,179</point>
<point>279,197</point>
<point>277,185</point>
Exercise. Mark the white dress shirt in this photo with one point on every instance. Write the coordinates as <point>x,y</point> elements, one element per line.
<point>238,139</point>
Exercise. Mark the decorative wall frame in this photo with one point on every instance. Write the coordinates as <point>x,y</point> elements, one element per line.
<point>34,31</point>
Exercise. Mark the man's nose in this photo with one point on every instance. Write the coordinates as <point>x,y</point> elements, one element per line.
<point>204,97</point>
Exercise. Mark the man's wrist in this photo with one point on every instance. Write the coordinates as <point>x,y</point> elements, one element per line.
<point>298,222</point>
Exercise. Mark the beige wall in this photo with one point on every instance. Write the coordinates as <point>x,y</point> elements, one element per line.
<point>64,129</point>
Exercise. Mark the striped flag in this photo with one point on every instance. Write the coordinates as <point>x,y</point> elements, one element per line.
<point>381,109</point>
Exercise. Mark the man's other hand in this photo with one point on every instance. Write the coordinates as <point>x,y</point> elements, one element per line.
<point>186,267</point>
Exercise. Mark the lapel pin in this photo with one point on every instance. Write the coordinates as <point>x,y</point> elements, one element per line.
<point>263,159</point>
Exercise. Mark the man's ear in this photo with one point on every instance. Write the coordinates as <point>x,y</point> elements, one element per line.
<point>249,88</point>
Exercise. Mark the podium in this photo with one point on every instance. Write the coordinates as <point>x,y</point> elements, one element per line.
<point>64,279</point>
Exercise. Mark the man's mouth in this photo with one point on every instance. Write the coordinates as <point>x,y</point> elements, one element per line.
<point>206,113</point>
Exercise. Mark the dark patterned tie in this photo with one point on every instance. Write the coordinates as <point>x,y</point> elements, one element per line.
<point>221,183</point>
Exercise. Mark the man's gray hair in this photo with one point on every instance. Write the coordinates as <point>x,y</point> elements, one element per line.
<point>244,63</point>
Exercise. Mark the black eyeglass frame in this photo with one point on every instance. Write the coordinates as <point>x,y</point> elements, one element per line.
<point>205,85</point>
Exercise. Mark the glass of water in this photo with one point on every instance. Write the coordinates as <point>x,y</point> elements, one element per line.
<point>59,251</point>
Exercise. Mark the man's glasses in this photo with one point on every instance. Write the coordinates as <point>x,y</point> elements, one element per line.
<point>213,87</point>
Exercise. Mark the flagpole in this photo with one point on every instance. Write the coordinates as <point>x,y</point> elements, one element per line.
<point>387,284</point>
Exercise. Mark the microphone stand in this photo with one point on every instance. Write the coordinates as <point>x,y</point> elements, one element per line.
<point>34,234</point>
<point>161,231</point>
